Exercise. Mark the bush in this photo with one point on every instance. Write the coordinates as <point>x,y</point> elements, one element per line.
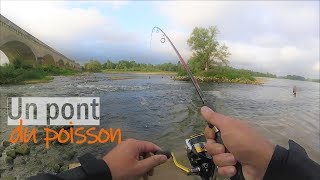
<point>17,73</point>
<point>227,72</point>
<point>93,66</point>
<point>125,65</point>
<point>56,71</point>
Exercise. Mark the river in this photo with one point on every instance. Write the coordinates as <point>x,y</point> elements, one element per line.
<point>159,109</point>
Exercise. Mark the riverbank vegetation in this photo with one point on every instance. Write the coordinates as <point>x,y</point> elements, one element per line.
<point>129,66</point>
<point>209,60</point>
<point>298,78</point>
<point>19,73</point>
<point>294,77</point>
<point>226,74</point>
<point>216,74</point>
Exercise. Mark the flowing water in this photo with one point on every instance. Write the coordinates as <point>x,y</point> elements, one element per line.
<point>159,109</point>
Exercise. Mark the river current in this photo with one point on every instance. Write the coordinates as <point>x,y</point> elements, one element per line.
<point>159,109</point>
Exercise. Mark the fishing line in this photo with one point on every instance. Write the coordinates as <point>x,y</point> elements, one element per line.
<point>218,138</point>
<point>184,64</point>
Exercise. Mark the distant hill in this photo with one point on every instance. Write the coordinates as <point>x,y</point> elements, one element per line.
<point>299,78</point>
<point>295,77</point>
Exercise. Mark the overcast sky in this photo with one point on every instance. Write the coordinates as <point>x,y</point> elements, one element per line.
<point>277,37</point>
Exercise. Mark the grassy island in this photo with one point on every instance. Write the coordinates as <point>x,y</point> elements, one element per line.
<point>226,74</point>
<point>219,74</point>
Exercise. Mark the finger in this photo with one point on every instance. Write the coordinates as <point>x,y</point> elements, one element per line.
<point>215,148</point>
<point>147,155</point>
<point>147,164</point>
<point>210,141</point>
<point>146,146</point>
<point>130,140</point>
<point>216,119</point>
<point>208,133</point>
<point>224,159</point>
<point>227,171</point>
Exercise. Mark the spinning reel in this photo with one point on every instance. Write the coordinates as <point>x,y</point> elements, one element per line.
<point>200,160</point>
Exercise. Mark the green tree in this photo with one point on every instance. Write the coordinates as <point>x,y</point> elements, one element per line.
<point>93,66</point>
<point>207,51</point>
<point>167,67</point>
<point>295,77</point>
<point>123,64</point>
<point>108,65</point>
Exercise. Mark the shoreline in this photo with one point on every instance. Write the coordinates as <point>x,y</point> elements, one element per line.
<point>166,73</point>
<point>46,79</point>
<point>37,81</point>
<point>263,80</point>
<point>258,81</point>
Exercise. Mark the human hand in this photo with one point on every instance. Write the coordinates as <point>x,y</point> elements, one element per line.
<point>125,161</point>
<point>243,143</point>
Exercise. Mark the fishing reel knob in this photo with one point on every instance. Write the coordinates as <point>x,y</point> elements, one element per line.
<point>195,170</point>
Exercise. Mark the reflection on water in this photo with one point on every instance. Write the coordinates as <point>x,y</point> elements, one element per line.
<point>166,111</point>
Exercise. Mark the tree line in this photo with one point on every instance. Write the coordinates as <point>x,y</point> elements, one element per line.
<point>125,65</point>
<point>209,58</point>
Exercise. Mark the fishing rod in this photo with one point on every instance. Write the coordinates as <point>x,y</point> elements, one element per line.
<point>218,138</point>
<point>184,64</point>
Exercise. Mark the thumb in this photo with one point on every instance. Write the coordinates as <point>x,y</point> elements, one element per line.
<point>147,164</point>
<point>218,120</point>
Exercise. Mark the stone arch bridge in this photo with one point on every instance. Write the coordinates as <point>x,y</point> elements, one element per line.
<point>17,43</point>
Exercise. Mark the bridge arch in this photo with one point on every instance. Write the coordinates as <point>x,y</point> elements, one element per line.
<point>17,50</point>
<point>60,63</point>
<point>67,65</point>
<point>48,60</point>
<point>3,59</point>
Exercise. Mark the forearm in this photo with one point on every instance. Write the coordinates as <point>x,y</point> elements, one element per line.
<point>292,164</point>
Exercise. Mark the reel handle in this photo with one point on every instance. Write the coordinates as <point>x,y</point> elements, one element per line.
<point>239,174</point>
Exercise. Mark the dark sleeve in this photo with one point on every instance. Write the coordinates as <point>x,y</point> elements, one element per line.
<point>91,168</point>
<point>292,164</point>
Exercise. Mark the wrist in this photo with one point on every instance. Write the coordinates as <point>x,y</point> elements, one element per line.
<point>95,168</point>
<point>268,152</point>
<point>109,164</point>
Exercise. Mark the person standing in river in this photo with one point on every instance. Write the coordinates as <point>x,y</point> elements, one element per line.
<point>294,91</point>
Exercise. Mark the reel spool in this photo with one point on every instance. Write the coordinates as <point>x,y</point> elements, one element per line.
<point>200,161</point>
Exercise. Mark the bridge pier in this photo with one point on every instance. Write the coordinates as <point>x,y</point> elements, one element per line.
<point>39,60</point>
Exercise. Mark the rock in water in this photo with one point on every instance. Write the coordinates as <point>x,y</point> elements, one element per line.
<point>6,143</point>
<point>64,168</point>
<point>56,168</point>
<point>22,149</point>
<point>69,155</point>
<point>9,160</point>
<point>11,153</point>
<point>8,178</point>
<point>1,150</point>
